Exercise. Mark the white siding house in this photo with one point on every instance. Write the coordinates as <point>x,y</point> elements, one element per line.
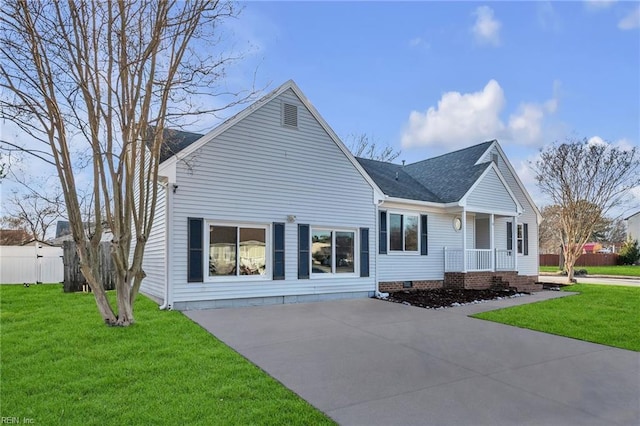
<point>633,226</point>
<point>274,177</point>
<point>477,225</point>
<point>271,207</point>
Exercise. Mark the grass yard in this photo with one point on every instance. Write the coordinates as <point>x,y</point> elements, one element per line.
<point>61,365</point>
<point>600,314</point>
<point>622,270</point>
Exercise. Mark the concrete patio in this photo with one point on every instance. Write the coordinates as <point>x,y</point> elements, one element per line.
<point>371,362</point>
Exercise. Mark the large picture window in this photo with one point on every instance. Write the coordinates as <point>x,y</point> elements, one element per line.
<point>237,250</point>
<point>332,251</point>
<point>403,232</point>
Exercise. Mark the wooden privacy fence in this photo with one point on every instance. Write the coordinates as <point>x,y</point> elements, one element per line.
<point>30,264</point>
<point>73,278</point>
<point>587,259</point>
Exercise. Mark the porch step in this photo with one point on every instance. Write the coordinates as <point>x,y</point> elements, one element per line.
<point>484,280</point>
<point>498,283</point>
<point>522,284</point>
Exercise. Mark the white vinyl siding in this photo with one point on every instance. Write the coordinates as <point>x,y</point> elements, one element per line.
<point>491,195</point>
<point>411,266</point>
<point>259,171</point>
<point>527,265</point>
<point>154,262</point>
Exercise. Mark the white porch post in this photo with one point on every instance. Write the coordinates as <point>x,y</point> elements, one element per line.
<point>514,244</point>
<point>492,245</point>
<point>464,239</point>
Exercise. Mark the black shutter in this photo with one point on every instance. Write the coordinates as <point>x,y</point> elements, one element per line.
<point>303,252</point>
<point>525,239</point>
<point>278,251</point>
<point>509,236</point>
<point>424,235</point>
<point>382,240</point>
<point>195,237</point>
<point>364,252</point>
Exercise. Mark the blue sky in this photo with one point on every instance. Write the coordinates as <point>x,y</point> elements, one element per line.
<point>430,77</point>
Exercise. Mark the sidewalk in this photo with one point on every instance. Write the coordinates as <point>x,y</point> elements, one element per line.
<point>592,279</point>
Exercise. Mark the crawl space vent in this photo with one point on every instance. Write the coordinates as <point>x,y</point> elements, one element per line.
<point>290,115</point>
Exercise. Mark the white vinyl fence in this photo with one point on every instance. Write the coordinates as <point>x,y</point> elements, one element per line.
<point>31,264</point>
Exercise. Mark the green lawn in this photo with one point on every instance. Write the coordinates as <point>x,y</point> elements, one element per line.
<point>600,314</point>
<point>622,270</point>
<point>61,365</point>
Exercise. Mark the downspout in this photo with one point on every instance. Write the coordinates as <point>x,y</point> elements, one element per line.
<point>167,258</point>
<point>378,294</point>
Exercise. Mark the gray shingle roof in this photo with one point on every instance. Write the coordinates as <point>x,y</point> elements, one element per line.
<point>442,179</point>
<point>394,181</point>
<point>175,141</point>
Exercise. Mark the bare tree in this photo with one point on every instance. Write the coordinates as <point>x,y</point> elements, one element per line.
<point>34,212</point>
<point>616,232</point>
<point>550,231</point>
<point>585,180</point>
<point>363,146</point>
<point>100,74</point>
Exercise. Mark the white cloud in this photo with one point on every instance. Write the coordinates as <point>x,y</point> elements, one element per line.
<point>486,28</point>
<point>458,118</point>
<point>596,140</point>
<point>419,42</point>
<point>526,125</point>
<point>623,144</point>
<point>595,5</point>
<point>548,18</point>
<point>631,21</point>
<point>463,118</point>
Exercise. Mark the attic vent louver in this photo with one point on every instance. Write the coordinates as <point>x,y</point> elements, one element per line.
<point>290,115</point>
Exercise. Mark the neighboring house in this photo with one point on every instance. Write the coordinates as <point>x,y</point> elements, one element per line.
<point>14,237</point>
<point>591,248</point>
<point>271,207</point>
<point>63,233</point>
<point>633,226</point>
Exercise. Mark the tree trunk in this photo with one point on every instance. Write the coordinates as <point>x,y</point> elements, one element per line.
<point>104,307</point>
<point>570,258</point>
<point>125,302</point>
<point>570,274</point>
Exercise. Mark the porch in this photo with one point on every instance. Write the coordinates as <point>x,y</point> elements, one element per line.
<point>479,260</point>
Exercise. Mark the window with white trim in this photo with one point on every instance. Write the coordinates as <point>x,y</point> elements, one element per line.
<point>333,251</point>
<point>403,232</point>
<point>237,250</point>
<point>520,239</point>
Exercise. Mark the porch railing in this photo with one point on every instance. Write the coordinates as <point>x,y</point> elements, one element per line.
<point>475,260</point>
<point>505,260</point>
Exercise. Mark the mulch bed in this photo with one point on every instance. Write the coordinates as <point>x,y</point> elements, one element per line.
<point>447,297</point>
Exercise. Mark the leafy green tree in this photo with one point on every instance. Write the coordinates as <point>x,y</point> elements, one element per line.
<point>629,253</point>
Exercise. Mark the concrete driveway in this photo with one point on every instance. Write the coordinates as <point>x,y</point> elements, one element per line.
<point>371,362</point>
